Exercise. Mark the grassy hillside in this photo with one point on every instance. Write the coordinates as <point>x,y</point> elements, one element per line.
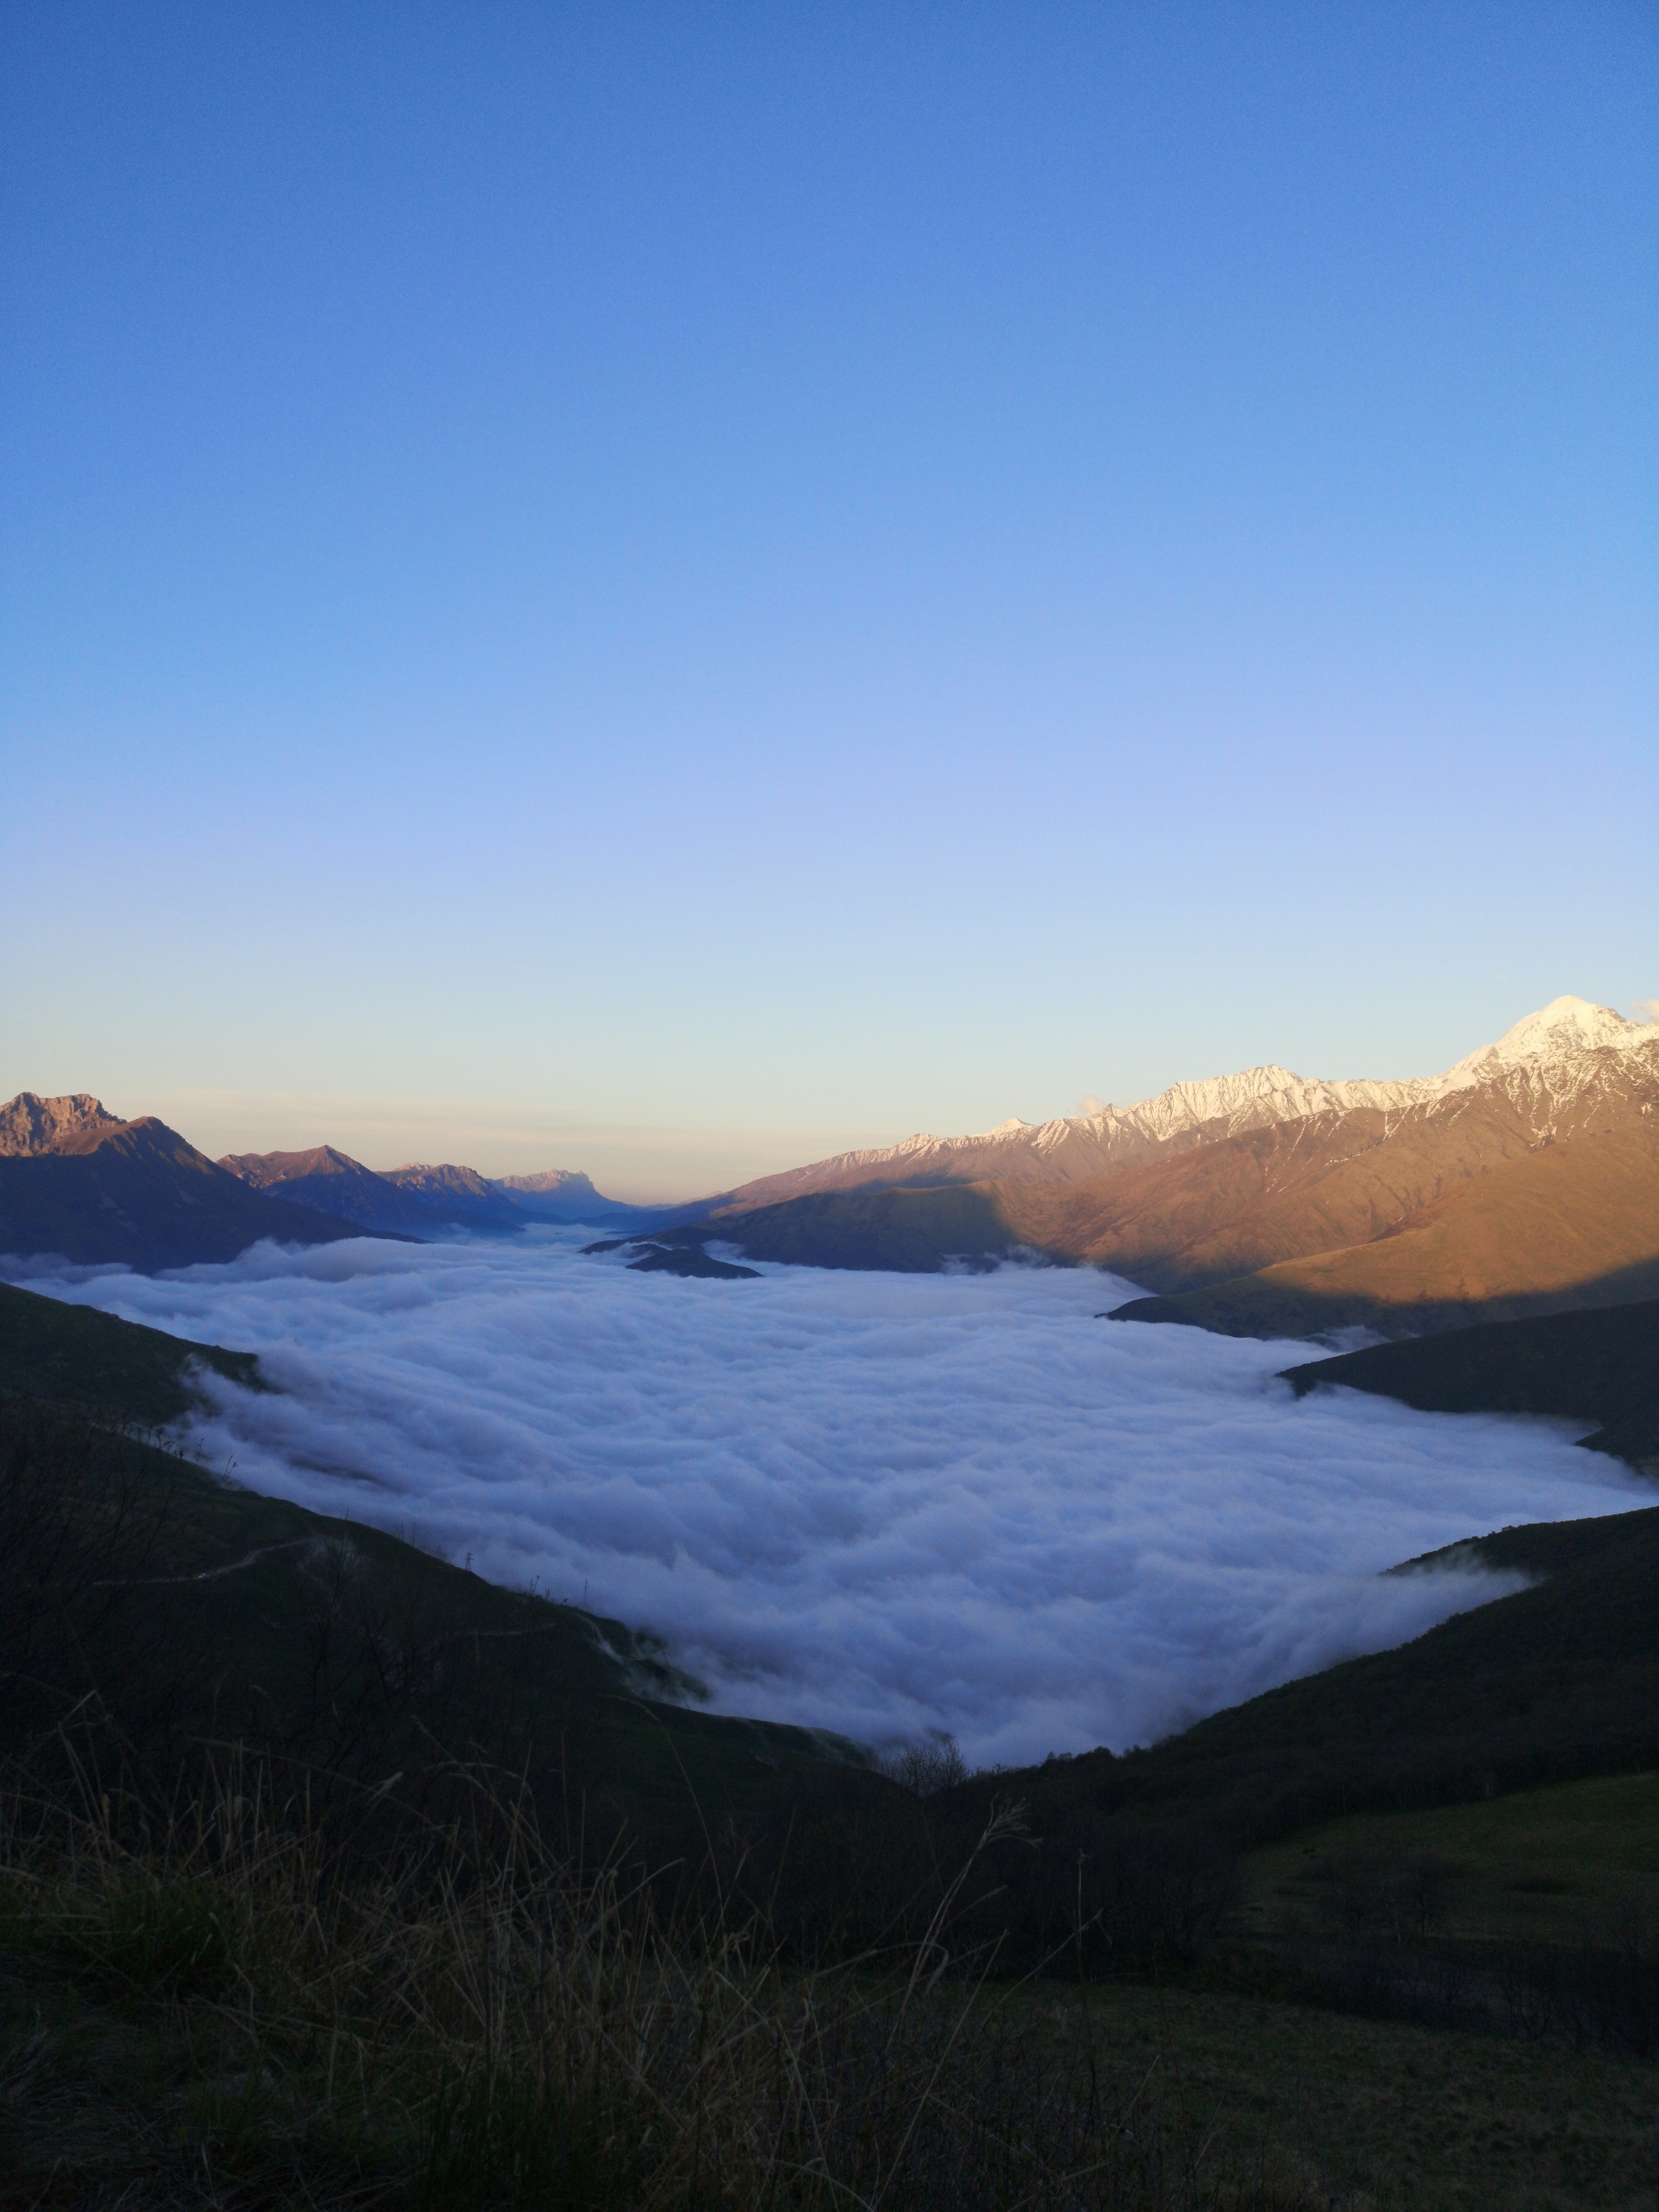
<point>1557,1680</point>
<point>188,1608</point>
<point>1599,1366</point>
<point>1529,1868</point>
<point>75,1355</point>
<point>1573,1226</point>
<point>172,1595</point>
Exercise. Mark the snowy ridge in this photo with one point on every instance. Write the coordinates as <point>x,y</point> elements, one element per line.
<point>1544,1064</point>
<point>1557,1036</point>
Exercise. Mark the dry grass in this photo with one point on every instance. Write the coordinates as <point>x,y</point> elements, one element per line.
<point>213,2013</point>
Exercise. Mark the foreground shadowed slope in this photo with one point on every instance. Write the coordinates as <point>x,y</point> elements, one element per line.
<point>186,1609</point>
<point>186,1606</point>
<point>1556,1680</point>
<point>1600,1367</point>
<point>74,1355</point>
<point>77,1181</point>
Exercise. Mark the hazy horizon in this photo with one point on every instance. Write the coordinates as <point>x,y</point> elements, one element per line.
<point>640,1164</point>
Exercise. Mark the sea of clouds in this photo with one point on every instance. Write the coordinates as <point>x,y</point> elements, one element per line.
<point>886,1504</point>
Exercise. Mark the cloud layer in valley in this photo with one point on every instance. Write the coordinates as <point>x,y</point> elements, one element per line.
<point>886,1504</point>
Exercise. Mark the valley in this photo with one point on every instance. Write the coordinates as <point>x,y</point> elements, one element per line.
<point>1260,1730</point>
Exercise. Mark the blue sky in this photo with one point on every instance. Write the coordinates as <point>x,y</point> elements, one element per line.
<point>698,584</point>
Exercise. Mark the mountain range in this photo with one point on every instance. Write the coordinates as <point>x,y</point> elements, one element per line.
<point>1523,1179</point>
<point>420,1197</point>
<point>78,1182</point>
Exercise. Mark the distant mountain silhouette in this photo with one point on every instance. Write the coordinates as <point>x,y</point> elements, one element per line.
<point>76,1181</point>
<point>333,1183</point>
<point>417,1199</point>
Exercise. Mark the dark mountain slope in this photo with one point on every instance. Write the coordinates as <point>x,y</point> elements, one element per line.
<point>1575,1225</point>
<point>1557,1680</point>
<point>333,1183</point>
<point>1600,1367</point>
<point>455,1194</point>
<point>414,1200</point>
<point>96,1190</point>
<point>75,1355</point>
<point>190,1606</point>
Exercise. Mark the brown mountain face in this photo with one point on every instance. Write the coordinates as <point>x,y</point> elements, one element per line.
<point>1571,1226</point>
<point>1534,1074</point>
<point>1210,1212</point>
<point>31,1127</point>
<point>75,1181</point>
<point>1322,1183</point>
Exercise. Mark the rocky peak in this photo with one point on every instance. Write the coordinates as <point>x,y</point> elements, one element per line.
<point>31,1126</point>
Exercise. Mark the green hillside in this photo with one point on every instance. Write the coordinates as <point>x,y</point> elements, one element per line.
<point>188,1606</point>
<point>75,1355</point>
<point>1600,1367</point>
<point>1556,1680</point>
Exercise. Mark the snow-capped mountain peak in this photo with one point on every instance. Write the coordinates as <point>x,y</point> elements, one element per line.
<point>1546,1065</point>
<point>1559,1031</point>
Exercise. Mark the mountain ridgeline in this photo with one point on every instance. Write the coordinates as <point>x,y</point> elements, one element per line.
<point>1524,1180</point>
<point>419,1198</point>
<point>79,1183</point>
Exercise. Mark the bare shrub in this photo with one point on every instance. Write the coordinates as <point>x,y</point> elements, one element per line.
<point>927,1768</point>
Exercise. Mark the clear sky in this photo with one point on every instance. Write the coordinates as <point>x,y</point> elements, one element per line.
<point>666,588</point>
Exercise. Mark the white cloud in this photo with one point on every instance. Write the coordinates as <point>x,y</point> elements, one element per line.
<point>1645,1010</point>
<point>882,1503</point>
